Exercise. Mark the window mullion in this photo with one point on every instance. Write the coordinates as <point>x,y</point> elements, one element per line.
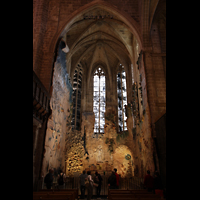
<point>99,100</point>
<point>122,101</point>
<point>99,103</point>
<point>76,101</point>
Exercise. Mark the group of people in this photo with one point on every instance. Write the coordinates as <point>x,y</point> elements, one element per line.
<point>153,184</point>
<point>113,183</point>
<point>150,183</point>
<point>48,180</point>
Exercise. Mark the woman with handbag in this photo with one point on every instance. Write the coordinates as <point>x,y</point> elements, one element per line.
<point>90,186</point>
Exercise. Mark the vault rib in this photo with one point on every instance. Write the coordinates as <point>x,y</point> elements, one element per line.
<point>111,28</point>
<point>81,43</point>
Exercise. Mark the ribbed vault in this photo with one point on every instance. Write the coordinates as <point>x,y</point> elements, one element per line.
<point>99,35</point>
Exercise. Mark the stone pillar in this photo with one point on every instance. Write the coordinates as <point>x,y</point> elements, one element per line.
<point>150,83</point>
<point>36,126</point>
<point>35,135</point>
<point>156,85</point>
<point>156,90</point>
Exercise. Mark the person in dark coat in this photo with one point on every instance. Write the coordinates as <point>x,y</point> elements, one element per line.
<point>98,179</point>
<point>158,188</point>
<point>61,180</point>
<point>112,181</point>
<point>117,178</point>
<point>49,179</point>
<point>82,177</point>
<point>148,182</point>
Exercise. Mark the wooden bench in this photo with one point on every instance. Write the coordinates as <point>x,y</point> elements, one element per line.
<point>132,190</point>
<point>61,191</point>
<point>147,196</point>
<point>130,198</point>
<point>151,198</point>
<point>135,195</point>
<point>131,194</point>
<point>52,196</point>
<point>56,194</point>
<point>112,191</point>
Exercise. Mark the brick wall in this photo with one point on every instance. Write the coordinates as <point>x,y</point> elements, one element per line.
<point>40,17</point>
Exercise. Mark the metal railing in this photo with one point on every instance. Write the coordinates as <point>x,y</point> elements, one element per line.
<point>74,182</point>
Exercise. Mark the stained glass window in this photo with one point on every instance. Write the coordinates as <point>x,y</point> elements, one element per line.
<point>76,98</point>
<point>99,103</point>
<point>122,99</point>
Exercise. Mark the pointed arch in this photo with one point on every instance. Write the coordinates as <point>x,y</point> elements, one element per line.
<point>128,20</point>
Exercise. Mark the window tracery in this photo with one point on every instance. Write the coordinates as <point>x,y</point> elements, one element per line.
<point>76,98</point>
<point>122,98</point>
<point>99,100</point>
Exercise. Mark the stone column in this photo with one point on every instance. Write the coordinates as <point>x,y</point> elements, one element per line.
<point>36,126</point>
<point>35,136</point>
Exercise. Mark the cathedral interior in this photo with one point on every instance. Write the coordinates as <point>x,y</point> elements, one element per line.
<point>99,87</point>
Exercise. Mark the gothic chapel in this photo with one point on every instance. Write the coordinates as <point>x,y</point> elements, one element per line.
<point>99,88</point>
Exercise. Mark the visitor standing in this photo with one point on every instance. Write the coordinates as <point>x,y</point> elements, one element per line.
<point>158,188</point>
<point>61,180</point>
<point>98,180</point>
<point>82,177</point>
<point>148,181</point>
<point>48,180</point>
<point>117,178</point>
<point>90,186</point>
<point>112,181</point>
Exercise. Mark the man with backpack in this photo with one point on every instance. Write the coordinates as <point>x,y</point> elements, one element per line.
<point>61,180</point>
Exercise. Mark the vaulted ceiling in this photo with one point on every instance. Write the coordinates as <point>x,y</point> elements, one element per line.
<point>99,36</point>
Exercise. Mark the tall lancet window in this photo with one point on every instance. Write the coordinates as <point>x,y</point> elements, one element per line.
<point>76,98</point>
<point>99,102</point>
<point>122,98</point>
